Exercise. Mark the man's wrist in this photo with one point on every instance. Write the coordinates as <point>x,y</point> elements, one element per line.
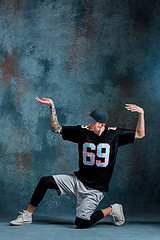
<point>142,112</point>
<point>52,105</point>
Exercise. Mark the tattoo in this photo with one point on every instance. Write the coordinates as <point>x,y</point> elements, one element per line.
<point>56,127</point>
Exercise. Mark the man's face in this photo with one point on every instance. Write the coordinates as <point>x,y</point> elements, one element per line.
<point>95,127</point>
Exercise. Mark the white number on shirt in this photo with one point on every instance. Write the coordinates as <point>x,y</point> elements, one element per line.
<point>102,151</point>
<point>88,157</point>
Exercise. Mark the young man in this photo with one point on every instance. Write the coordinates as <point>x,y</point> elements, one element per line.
<point>97,145</point>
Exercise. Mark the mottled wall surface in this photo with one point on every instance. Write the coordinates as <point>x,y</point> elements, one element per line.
<point>83,54</point>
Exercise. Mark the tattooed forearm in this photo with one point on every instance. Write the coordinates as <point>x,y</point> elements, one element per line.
<point>56,127</point>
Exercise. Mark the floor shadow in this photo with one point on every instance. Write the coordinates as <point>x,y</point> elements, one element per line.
<point>68,223</point>
<point>54,221</point>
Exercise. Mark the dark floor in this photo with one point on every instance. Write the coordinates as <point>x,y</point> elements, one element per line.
<point>63,228</point>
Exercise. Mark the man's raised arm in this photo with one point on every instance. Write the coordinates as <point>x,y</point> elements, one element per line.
<point>140,129</point>
<point>56,127</point>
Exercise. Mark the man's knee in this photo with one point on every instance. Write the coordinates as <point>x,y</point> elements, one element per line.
<point>43,179</point>
<point>48,182</point>
<point>82,223</point>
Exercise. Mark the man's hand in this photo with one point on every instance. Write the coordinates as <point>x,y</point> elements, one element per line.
<point>47,101</point>
<point>134,108</point>
<point>140,129</point>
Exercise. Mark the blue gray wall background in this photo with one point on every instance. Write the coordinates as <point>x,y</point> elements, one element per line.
<point>83,54</point>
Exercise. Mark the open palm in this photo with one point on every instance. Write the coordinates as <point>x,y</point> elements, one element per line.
<point>47,101</point>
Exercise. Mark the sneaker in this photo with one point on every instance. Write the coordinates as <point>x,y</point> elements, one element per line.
<point>24,218</point>
<point>117,214</point>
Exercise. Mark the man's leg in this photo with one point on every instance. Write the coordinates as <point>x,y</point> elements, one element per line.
<point>44,184</point>
<point>88,200</point>
<point>95,217</point>
<point>116,212</point>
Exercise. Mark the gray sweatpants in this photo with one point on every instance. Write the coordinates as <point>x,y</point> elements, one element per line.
<point>87,198</point>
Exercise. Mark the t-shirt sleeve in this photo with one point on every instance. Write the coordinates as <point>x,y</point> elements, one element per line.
<point>73,133</point>
<point>125,136</point>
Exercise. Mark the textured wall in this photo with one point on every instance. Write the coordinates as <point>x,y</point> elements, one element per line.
<point>83,54</point>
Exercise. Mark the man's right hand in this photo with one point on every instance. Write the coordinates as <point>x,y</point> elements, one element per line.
<point>47,101</point>
<point>56,127</point>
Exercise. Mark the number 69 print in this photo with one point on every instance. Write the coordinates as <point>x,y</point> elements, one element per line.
<point>89,158</point>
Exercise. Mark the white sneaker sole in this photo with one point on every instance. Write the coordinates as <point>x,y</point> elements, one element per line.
<point>19,224</point>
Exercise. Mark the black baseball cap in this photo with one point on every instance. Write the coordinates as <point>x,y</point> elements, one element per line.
<point>97,115</point>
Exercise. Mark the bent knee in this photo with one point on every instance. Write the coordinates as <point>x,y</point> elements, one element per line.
<point>48,182</point>
<point>82,223</point>
<point>43,180</point>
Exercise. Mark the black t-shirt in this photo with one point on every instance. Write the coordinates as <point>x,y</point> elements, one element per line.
<point>97,154</point>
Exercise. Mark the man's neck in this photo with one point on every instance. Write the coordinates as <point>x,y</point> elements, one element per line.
<point>101,131</point>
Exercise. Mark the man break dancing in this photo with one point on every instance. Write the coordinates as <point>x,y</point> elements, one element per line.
<point>97,146</point>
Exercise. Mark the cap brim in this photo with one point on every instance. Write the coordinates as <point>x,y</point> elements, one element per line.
<point>91,120</point>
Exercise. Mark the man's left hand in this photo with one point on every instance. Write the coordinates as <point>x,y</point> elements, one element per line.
<point>134,108</point>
